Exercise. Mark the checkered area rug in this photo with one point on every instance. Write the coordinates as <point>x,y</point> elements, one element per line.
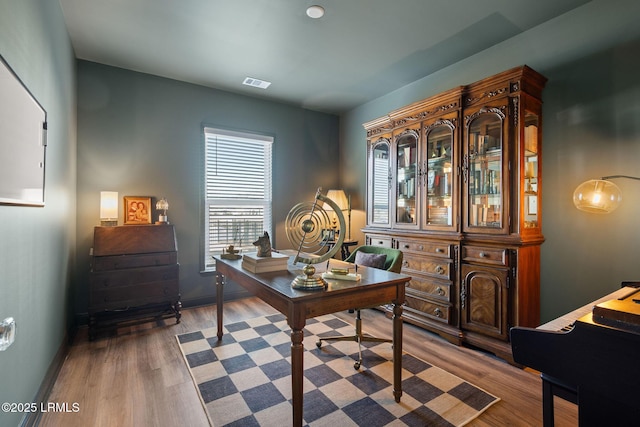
<point>245,379</point>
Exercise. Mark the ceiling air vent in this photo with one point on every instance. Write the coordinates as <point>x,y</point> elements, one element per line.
<point>250,81</point>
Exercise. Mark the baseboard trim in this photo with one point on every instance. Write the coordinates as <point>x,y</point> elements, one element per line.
<point>32,419</point>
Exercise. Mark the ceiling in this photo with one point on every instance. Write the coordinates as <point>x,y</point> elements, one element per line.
<point>359,50</point>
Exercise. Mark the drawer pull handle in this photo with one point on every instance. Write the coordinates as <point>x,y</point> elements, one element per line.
<point>439,290</point>
<point>483,255</point>
<point>406,246</point>
<point>439,250</point>
<point>437,312</point>
<point>380,242</point>
<point>421,247</point>
<point>439,269</point>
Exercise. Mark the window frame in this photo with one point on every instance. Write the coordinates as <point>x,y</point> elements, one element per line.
<point>228,137</point>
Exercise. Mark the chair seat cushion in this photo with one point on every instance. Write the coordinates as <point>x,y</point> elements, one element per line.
<point>371,260</point>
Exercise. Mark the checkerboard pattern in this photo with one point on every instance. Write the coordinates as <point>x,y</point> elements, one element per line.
<point>245,379</point>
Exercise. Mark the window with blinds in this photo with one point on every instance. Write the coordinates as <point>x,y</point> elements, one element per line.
<point>237,190</point>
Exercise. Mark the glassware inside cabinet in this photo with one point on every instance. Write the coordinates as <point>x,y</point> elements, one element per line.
<point>381,184</point>
<point>531,123</point>
<point>485,171</point>
<point>438,175</point>
<point>406,176</point>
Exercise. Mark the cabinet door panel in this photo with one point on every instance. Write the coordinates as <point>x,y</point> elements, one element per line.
<point>407,176</point>
<point>379,181</point>
<point>439,175</point>
<point>486,171</point>
<point>484,300</point>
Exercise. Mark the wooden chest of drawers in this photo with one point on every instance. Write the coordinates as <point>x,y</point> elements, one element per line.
<point>134,274</point>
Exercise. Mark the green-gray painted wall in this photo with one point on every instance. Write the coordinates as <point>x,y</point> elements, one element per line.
<point>37,244</point>
<point>591,128</point>
<point>140,135</point>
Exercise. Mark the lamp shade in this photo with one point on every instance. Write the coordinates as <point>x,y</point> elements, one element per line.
<point>339,198</point>
<point>108,205</point>
<point>597,196</point>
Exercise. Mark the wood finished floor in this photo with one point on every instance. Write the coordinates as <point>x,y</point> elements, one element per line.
<point>137,376</point>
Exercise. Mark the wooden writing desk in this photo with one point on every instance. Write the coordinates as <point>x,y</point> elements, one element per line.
<point>375,287</point>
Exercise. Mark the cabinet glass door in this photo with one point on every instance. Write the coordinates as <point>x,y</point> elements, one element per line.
<point>531,132</point>
<point>380,184</point>
<point>406,177</point>
<point>438,179</point>
<point>485,173</point>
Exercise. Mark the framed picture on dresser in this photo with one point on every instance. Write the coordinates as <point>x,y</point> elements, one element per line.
<point>137,210</point>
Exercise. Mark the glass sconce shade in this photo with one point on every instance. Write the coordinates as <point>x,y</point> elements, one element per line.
<point>597,196</point>
<point>108,207</point>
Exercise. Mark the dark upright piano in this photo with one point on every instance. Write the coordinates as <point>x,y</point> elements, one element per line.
<point>590,357</point>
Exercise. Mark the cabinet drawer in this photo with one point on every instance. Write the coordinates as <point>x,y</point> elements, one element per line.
<point>133,296</point>
<point>430,309</point>
<point>429,248</point>
<point>117,262</point>
<point>495,256</point>
<point>132,276</point>
<point>383,241</point>
<point>435,267</point>
<point>430,288</point>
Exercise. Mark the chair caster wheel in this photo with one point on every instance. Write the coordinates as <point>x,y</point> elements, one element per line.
<point>318,343</point>
<point>356,366</point>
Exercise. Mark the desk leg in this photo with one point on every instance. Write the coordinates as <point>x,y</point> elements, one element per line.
<point>397,351</point>
<point>297,373</point>
<point>219,301</point>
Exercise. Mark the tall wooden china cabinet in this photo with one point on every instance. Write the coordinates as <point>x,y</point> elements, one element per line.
<point>454,181</point>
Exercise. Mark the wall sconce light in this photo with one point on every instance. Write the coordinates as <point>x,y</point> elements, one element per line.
<point>108,208</point>
<point>344,203</point>
<point>599,195</point>
<point>162,205</point>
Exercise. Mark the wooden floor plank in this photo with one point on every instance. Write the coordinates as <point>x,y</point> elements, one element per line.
<point>137,377</point>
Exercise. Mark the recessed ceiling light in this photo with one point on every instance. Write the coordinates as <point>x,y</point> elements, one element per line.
<point>315,12</point>
<point>250,81</point>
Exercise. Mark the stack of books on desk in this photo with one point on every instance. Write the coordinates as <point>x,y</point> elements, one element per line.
<point>255,264</point>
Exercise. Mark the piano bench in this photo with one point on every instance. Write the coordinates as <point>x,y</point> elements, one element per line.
<point>554,387</point>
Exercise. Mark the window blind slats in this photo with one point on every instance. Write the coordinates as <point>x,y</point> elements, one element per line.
<point>237,190</point>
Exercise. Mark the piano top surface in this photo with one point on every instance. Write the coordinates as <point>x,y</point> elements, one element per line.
<point>584,313</point>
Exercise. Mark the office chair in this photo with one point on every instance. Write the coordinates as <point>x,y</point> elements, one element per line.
<point>393,263</point>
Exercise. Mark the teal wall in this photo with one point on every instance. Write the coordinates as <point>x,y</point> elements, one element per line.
<point>141,135</point>
<point>591,128</point>
<point>37,244</point>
